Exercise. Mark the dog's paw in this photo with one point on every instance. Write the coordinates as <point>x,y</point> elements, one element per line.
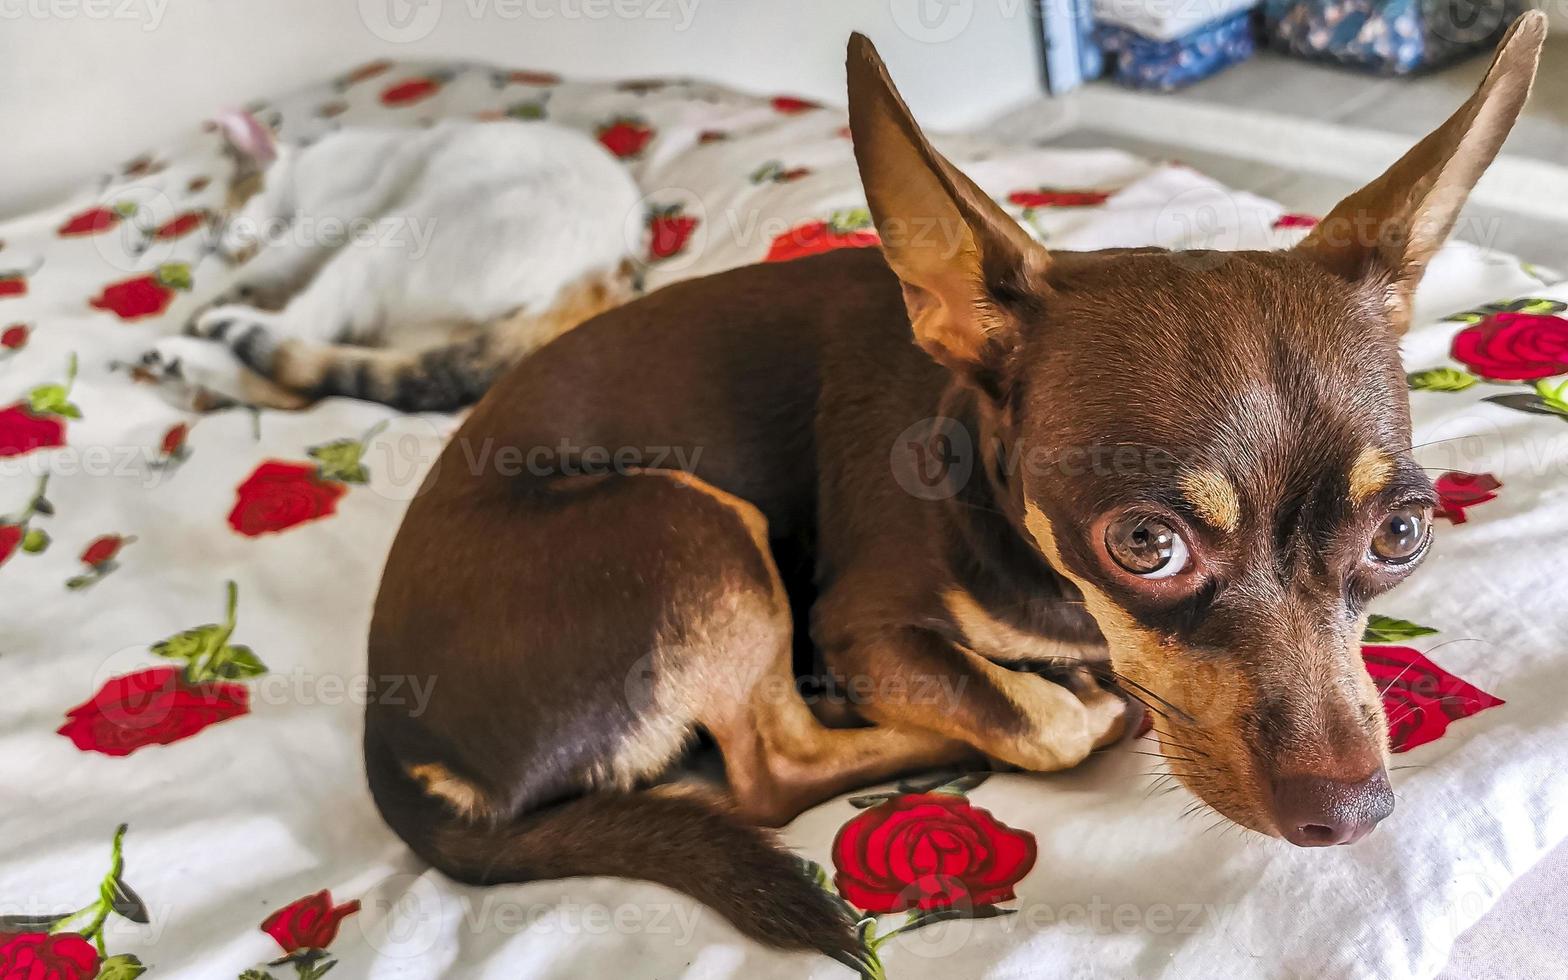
<point>1113,717</point>
<point>1111,714</point>
<point>194,374</point>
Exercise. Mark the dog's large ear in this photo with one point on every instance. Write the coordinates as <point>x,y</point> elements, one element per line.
<point>965,265</point>
<point>1386,232</point>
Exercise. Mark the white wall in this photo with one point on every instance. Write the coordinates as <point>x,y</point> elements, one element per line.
<point>84,83</point>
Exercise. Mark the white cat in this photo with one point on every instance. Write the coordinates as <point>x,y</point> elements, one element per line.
<point>405,266</point>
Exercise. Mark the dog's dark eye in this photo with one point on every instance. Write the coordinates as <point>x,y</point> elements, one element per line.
<point>1146,546</point>
<point>1402,535</point>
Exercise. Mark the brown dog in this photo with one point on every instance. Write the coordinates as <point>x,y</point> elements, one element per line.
<point>586,616</point>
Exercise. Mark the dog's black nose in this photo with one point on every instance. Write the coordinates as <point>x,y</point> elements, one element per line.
<point>1314,811</point>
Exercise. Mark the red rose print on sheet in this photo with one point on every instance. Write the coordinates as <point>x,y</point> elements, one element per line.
<point>928,851</point>
<point>523,77</point>
<point>72,946</point>
<point>1293,220</point>
<point>792,105</point>
<point>180,225</point>
<point>1050,197</point>
<point>18,533</point>
<point>96,220</point>
<point>924,850</point>
<point>1522,341</point>
<point>172,448</point>
<point>669,229</point>
<point>1458,492</point>
<point>13,282</point>
<point>411,90</point>
<point>363,73</point>
<point>625,136</point>
<point>14,338</point>
<point>154,706</point>
<point>39,422</point>
<point>1511,346</point>
<point>59,956</point>
<point>304,929</point>
<point>145,295</point>
<point>308,923</point>
<point>280,494</point>
<point>850,228</point>
<point>98,559</point>
<point>162,705</point>
<point>1419,697</point>
<point>775,172</point>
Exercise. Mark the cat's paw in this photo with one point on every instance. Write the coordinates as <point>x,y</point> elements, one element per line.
<point>226,313</point>
<point>195,374</point>
<point>238,294</point>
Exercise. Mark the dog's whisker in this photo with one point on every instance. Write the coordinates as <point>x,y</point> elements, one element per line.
<point>1432,442</point>
<point>1166,738</point>
<point>1395,679</point>
<point>1121,678</point>
<point>1162,755</point>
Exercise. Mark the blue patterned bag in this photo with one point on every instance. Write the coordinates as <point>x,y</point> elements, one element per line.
<point>1142,62</point>
<point>1387,36</point>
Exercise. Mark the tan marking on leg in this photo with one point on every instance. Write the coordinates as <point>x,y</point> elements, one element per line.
<point>1369,474</point>
<point>1213,497</point>
<point>1043,727</point>
<point>778,757</point>
<point>994,639</point>
<point>465,799</point>
<point>755,523</point>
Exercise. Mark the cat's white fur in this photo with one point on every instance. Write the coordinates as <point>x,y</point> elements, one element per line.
<point>408,239</point>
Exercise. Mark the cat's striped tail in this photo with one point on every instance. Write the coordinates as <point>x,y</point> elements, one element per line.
<point>436,379</point>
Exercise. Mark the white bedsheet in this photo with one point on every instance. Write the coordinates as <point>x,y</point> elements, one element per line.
<point>231,821</point>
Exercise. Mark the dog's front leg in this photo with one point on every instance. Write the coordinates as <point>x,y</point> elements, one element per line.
<point>915,678</point>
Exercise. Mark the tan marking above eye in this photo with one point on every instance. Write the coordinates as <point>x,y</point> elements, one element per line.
<point>1369,474</point>
<point>1213,498</point>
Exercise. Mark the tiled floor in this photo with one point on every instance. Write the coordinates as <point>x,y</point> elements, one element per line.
<point>1289,88</point>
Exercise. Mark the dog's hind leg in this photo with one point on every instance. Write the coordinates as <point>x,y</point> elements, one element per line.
<point>591,626</point>
<point>778,756</point>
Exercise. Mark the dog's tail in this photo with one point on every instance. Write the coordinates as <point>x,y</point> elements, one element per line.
<point>685,841</point>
